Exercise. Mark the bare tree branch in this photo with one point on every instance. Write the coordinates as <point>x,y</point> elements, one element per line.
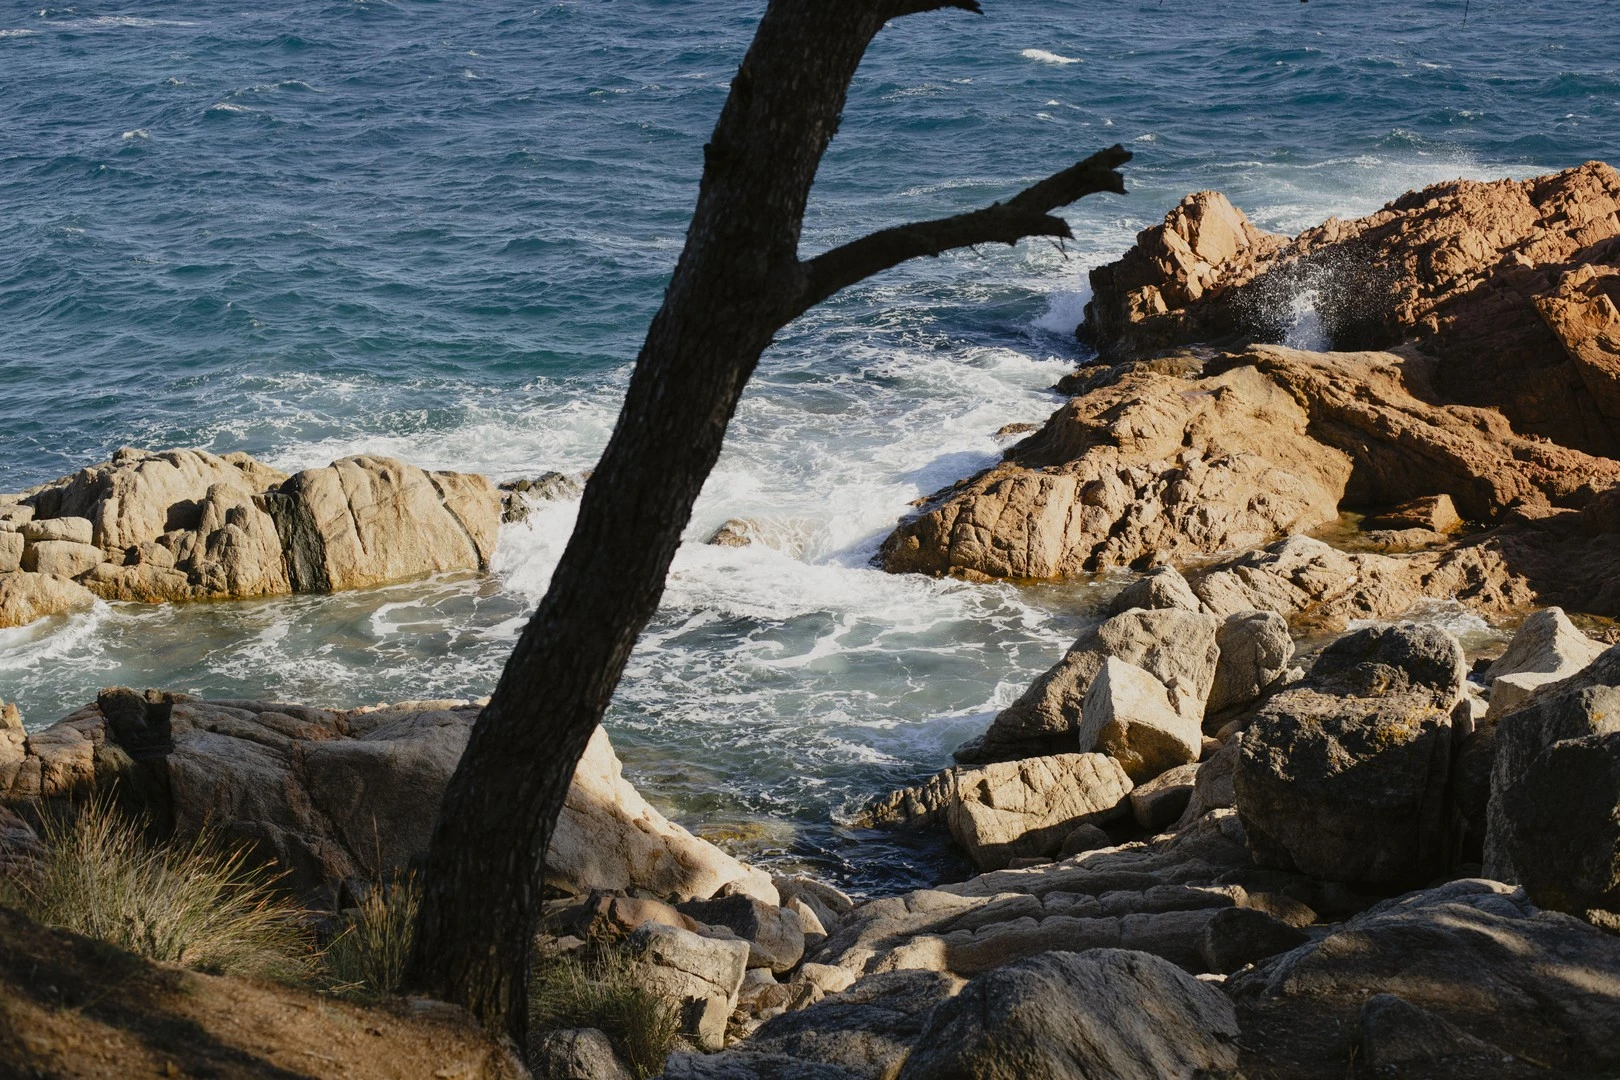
<point>1029,213</point>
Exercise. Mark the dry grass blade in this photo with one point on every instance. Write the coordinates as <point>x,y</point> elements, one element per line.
<point>604,991</point>
<point>369,955</point>
<point>195,904</point>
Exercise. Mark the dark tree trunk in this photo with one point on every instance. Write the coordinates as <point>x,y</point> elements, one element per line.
<point>738,281</point>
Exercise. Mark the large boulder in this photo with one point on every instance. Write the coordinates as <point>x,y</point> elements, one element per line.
<point>1504,283</point>
<point>775,935</point>
<point>1255,651</point>
<point>1126,714</point>
<point>1476,954</point>
<point>190,525</point>
<point>25,597</point>
<point>332,794</point>
<point>1553,820</point>
<point>1345,775</point>
<point>702,973</point>
<point>1546,648</point>
<point>371,520</point>
<point>1079,1016</point>
<point>1175,646</point>
<point>1152,467</point>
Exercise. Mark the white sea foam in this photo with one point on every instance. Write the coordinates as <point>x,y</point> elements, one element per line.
<point>137,133</point>
<point>1049,57</point>
<point>1065,310</point>
<point>18,33</point>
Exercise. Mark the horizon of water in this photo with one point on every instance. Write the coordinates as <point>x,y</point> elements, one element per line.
<point>312,229</point>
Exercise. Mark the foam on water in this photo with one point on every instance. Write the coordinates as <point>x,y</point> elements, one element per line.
<point>455,266</point>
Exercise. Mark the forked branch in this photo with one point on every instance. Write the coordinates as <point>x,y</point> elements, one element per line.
<point>1029,213</point>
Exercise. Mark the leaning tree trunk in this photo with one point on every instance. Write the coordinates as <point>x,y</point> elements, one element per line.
<point>739,280</point>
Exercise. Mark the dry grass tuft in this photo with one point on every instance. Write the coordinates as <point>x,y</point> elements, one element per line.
<point>604,991</point>
<point>369,955</point>
<point>196,904</point>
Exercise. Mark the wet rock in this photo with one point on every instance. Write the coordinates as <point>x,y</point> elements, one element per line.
<point>339,794</point>
<point>1344,776</point>
<point>1106,1012</point>
<point>1161,801</point>
<point>520,497</point>
<point>26,597</point>
<point>1474,273</point>
<point>1432,513</point>
<point>576,1054</point>
<point>1555,783</point>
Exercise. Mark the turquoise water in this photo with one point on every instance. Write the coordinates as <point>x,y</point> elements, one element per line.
<point>311,229</point>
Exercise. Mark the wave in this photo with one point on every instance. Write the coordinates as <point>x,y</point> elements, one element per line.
<point>1049,57</point>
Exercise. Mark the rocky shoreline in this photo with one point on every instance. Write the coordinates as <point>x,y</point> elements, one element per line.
<point>1247,826</point>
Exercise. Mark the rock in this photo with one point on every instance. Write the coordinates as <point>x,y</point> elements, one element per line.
<point>372,520</point>
<point>1433,513</point>
<point>1162,800</point>
<point>1477,954</point>
<point>1546,648</point>
<point>20,846</point>
<point>520,497</point>
<point>1255,651</point>
<point>1106,1012</point>
<point>337,794</point>
<point>775,935</point>
<point>1474,273</point>
<point>75,530</point>
<point>11,551</point>
<point>1012,809</point>
<point>61,558</point>
<point>1344,776</point>
<point>605,917</point>
<point>1401,1039</point>
<point>1555,784</point>
<point>1084,838</point>
<point>829,903</point>
<point>26,597</point>
<point>1203,240</point>
<point>1176,647</point>
<point>1126,714</point>
<point>864,1032</point>
<point>1152,467</point>
<point>1213,785</point>
<point>576,1054</point>
<point>1235,937</point>
<point>815,931</point>
<point>703,973</point>
<point>1159,588</point>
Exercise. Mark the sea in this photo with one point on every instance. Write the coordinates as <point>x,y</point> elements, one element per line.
<point>312,228</point>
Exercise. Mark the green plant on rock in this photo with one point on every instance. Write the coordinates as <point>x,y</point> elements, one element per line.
<point>198,903</point>
<point>369,954</point>
<point>604,990</point>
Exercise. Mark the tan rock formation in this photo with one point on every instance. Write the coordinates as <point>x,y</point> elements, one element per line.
<point>331,794</point>
<point>188,525</point>
<point>25,597</point>
<point>1462,268</point>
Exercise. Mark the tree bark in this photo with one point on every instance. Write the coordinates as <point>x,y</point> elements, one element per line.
<point>738,281</point>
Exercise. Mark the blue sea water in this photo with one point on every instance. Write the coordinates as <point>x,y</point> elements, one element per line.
<point>308,229</point>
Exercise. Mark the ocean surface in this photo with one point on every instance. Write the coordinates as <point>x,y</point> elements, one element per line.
<point>306,230</point>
